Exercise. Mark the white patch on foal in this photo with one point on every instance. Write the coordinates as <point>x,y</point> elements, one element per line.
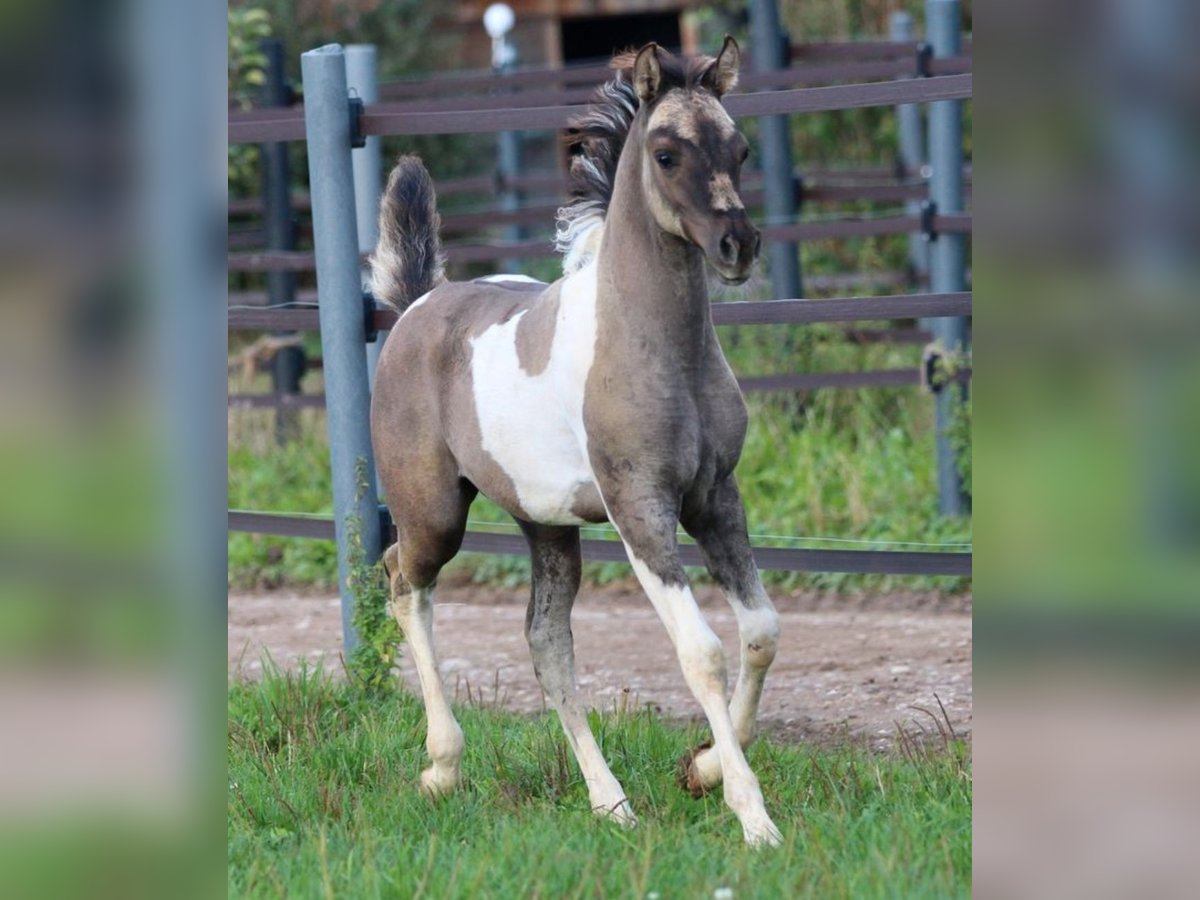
<point>724,195</point>
<point>532,425</point>
<point>525,279</point>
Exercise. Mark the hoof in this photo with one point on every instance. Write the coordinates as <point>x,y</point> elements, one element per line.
<point>688,776</point>
<point>437,783</point>
<point>620,813</point>
<point>762,834</point>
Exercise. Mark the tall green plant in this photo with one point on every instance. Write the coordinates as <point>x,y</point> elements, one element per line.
<point>372,664</point>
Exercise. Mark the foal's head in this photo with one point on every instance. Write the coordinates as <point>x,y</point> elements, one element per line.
<point>692,155</point>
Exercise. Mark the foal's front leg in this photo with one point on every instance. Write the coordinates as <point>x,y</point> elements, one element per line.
<point>719,528</point>
<point>556,572</point>
<point>648,531</point>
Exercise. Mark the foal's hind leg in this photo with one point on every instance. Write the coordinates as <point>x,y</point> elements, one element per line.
<point>556,571</point>
<point>426,544</point>
<point>719,527</point>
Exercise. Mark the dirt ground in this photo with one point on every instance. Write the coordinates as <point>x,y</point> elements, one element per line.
<point>852,666</point>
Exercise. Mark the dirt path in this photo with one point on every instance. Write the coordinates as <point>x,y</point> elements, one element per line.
<point>844,664</point>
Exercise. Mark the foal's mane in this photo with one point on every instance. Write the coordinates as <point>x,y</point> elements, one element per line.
<point>594,140</point>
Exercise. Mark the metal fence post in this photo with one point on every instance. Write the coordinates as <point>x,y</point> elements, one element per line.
<point>508,147</point>
<point>775,142</point>
<point>339,286</point>
<point>287,367</point>
<point>362,79</point>
<point>943,23</point>
<point>912,152</point>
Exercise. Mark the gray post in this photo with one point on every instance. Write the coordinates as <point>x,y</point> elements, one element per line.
<point>948,252</point>
<point>1148,140</point>
<point>362,79</point>
<point>508,164</point>
<point>288,365</point>
<point>775,141</point>
<point>335,238</point>
<point>912,152</point>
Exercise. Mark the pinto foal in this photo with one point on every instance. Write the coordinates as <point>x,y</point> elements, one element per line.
<point>602,396</point>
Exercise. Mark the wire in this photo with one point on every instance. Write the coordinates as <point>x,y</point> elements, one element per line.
<point>608,530</point>
<point>612,532</point>
<point>292,304</point>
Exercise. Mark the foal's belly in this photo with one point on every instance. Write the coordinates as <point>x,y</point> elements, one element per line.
<point>531,432</point>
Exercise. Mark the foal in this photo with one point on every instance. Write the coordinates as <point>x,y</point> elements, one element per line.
<point>602,396</point>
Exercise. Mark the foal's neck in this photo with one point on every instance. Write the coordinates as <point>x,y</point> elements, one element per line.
<point>647,278</point>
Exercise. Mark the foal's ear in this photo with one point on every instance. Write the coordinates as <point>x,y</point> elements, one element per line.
<point>722,75</point>
<point>647,73</point>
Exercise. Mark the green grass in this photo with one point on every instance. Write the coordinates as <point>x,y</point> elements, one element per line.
<point>845,464</point>
<point>322,802</point>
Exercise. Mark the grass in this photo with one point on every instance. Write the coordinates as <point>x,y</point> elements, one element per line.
<point>322,802</point>
<point>845,464</point>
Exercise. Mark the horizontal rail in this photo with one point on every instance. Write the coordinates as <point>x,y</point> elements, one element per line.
<point>843,309</point>
<point>806,55</point>
<point>811,75</point>
<point>544,213</point>
<point>276,401</point>
<point>533,76</point>
<point>305,260</point>
<point>265,125</point>
<point>850,96</point>
<point>860,49</point>
<point>836,282</point>
<point>584,73</point>
<point>873,186</point>
<point>846,228</point>
<point>865,562</point>
<point>757,312</point>
<point>800,381</point>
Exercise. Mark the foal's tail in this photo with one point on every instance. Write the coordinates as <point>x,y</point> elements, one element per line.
<point>407,262</point>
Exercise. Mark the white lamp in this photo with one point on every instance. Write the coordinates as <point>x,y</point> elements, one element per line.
<point>498,20</point>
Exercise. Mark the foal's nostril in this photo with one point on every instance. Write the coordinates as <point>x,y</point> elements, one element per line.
<point>757,242</point>
<point>728,248</point>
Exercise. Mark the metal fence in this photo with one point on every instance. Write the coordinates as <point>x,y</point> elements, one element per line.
<point>334,123</point>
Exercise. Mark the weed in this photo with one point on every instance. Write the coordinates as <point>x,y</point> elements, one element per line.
<point>372,663</point>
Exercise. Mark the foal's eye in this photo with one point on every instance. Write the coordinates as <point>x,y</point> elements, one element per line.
<point>664,159</point>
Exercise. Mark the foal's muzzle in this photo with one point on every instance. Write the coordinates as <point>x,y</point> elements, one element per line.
<point>736,249</point>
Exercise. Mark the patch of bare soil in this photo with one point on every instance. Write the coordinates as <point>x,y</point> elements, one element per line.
<point>846,666</point>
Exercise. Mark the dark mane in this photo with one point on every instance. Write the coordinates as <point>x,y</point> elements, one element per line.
<point>595,138</point>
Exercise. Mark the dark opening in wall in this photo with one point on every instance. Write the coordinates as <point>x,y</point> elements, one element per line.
<point>599,37</point>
